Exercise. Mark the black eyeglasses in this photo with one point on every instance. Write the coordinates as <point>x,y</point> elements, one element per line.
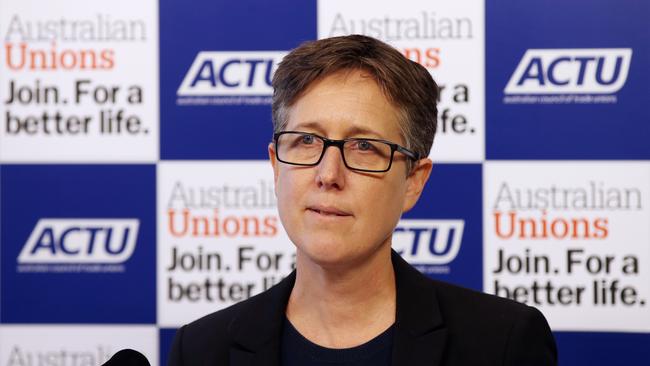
<point>362,154</point>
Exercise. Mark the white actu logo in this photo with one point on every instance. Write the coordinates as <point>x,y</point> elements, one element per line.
<point>231,74</point>
<point>571,71</point>
<point>435,242</point>
<point>80,241</point>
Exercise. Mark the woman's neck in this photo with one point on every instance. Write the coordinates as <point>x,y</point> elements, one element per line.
<point>344,306</point>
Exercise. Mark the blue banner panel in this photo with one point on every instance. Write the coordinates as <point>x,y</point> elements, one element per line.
<point>78,244</point>
<point>448,229</point>
<point>216,60</point>
<point>166,337</point>
<point>567,80</point>
<point>602,348</point>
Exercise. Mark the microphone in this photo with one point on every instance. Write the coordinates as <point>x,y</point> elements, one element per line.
<point>127,357</point>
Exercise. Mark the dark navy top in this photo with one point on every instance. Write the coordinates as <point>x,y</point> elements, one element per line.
<point>299,351</point>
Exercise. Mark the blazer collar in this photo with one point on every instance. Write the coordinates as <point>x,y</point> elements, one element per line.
<point>419,339</point>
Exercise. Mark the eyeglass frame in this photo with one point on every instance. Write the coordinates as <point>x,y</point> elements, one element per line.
<point>339,143</point>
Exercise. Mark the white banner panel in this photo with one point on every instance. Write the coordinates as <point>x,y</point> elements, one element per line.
<point>446,37</point>
<point>572,239</point>
<point>79,81</point>
<point>74,344</point>
<point>220,239</point>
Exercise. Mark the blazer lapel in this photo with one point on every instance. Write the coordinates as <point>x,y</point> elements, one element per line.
<point>258,328</point>
<point>420,334</point>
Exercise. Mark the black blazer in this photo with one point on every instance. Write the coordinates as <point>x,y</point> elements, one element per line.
<point>436,324</point>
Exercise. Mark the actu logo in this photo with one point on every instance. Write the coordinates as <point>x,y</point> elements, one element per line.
<point>58,241</point>
<point>231,74</point>
<point>432,242</point>
<point>571,71</point>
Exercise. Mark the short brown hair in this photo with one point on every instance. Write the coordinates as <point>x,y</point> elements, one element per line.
<point>406,84</point>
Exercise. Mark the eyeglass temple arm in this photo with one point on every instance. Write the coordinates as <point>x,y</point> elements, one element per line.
<point>407,152</point>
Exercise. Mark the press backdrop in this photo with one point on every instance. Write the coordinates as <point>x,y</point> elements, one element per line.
<point>136,194</point>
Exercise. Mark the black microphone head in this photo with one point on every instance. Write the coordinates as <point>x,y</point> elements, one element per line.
<point>127,357</point>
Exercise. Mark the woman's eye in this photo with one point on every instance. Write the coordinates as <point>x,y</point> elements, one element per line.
<point>307,139</point>
<point>364,145</point>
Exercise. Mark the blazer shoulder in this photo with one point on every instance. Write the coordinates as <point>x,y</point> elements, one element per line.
<point>461,309</point>
<point>462,304</point>
<point>207,340</point>
<point>514,332</point>
<point>218,325</point>
<point>448,292</point>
